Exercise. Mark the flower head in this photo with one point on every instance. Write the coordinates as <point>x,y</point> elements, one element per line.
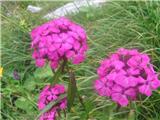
<point>16,75</point>
<point>48,94</point>
<point>124,75</point>
<point>56,40</point>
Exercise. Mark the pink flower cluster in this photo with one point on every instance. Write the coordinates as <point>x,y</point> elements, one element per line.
<point>56,40</point>
<point>49,94</point>
<point>124,75</point>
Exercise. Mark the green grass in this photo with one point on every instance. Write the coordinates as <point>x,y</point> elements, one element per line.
<point>114,25</point>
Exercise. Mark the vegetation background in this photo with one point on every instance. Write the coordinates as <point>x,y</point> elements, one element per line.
<point>130,24</point>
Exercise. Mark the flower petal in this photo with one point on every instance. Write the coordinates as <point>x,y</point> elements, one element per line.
<point>145,89</point>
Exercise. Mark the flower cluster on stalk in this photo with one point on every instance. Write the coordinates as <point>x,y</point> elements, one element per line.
<point>58,39</point>
<point>124,75</point>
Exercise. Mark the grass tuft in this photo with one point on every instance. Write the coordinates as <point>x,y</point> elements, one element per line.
<point>132,24</point>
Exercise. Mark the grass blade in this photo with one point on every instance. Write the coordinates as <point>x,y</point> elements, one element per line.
<point>51,104</point>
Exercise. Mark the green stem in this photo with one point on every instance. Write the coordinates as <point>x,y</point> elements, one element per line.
<point>82,103</point>
<point>117,108</point>
<point>131,115</point>
<point>55,77</point>
<point>58,72</point>
<point>64,114</point>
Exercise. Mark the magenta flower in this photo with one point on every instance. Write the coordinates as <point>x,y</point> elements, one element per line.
<point>56,40</point>
<point>124,75</point>
<point>48,94</point>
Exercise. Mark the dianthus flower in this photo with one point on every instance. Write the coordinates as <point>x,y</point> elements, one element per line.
<point>124,75</point>
<point>48,94</point>
<point>56,40</point>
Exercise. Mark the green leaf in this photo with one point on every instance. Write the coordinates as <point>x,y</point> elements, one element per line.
<point>43,72</point>
<point>51,104</point>
<point>72,89</point>
<point>23,104</point>
<point>30,84</point>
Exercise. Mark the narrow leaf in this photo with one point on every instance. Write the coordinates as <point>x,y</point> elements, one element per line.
<point>51,104</point>
<point>72,89</point>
